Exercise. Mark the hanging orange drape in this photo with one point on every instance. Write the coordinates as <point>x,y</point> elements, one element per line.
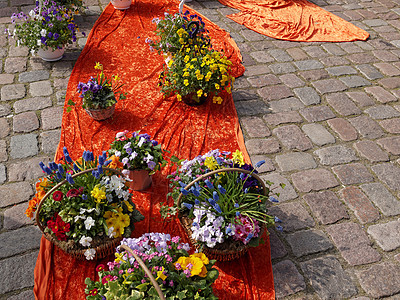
<point>293,20</point>
<point>117,40</point>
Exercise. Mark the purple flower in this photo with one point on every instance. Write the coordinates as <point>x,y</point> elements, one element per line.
<point>43,40</point>
<point>151,165</point>
<point>50,34</point>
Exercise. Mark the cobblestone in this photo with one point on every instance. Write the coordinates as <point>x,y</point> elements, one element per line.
<point>288,104</point>
<point>27,170</point>
<point>291,80</point>
<point>287,279</point>
<point>360,204</point>
<point>292,137</point>
<point>329,86</point>
<point>295,161</point>
<point>255,127</point>
<point>306,65</point>
<point>317,113</point>
<point>278,250</point>
<point>263,80</point>
<point>335,155</point>
<point>318,134</point>
<point>390,144</point>
<point>389,174</point>
<point>313,180</point>
<point>262,146</point>
<point>367,127</point>
<point>382,198</point>
<point>251,108</point>
<point>15,64</point>
<point>19,241</point>
<point>15,217</point>
<point>371,151</point>
<point>354,81</point>
<point>40,88</point>
<point>343,128</point>
<point>386,235</point>
<point>308,242</point>
<point>391,125</point>
<point>328,278</point>
<point>369,71</point>
<point>307,95</point>
<point>361,98</point>
<point>341,70</point>
<point>275,92</point>
<point>34,76</point>
<point>294,215</point>
<point>12,92</point>
<point>23,146</point>
<point>287,193</point>
<point>25,122</point>
<point>326,206</point>
<point>380,112</point>
<point>51,118</point>
<point>353,243</point>
<point>282,118</point>
<point>3,176</point>
<point>380,280</point>
<point>3,151</point>
<point>342,104</point>
<point>31,104</point>
<point>380,94</point>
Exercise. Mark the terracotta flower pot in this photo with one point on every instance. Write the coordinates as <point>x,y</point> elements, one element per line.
<point>141,180</point>
<point>121,4</point>
<point>49,54</point>
<point>101,114</point>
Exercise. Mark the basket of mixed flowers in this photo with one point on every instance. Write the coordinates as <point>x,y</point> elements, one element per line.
<point>84,206</point>
<point>140,155</point>
<point>221,203</point>
<point>154,266</point>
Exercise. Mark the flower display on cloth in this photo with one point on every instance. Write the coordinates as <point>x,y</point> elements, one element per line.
<point>50,25</point>
<point>167,258</point>
<point>89,205</point>
<point>137,151</point>
<point>223,206</point>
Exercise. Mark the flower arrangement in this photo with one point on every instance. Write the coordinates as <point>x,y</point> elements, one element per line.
<point>137,151</point>
<point>222,207</point>
<point>196,73</point>
<point>180,275</point>
<point>174,33</point>
<point>99,92</point>
<point>86,205</point>
<point>49,26</point>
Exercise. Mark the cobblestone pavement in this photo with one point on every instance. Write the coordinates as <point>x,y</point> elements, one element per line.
<point>325,117</point>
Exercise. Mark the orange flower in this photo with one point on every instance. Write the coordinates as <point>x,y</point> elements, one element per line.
<point>29,212</point>
<point>41,184</point>
<point>115,163</point>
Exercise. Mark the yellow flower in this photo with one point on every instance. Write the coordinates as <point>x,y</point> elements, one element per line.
<point>119,257</point>
<point>198,267</point>
<point>186,82</point>
<point>201,256</point>
<point>116,77</point>
<point>217,86</point>
<point>211,163</point>
<point>161,275</point>
<point>186,59</point>
<point>228,89</point>
<point>182,41</point>
<point>186,74</point>
<point>126,276</point>
<point>208,76</point>
<point>199,93</point>
<point>217,100</point>
<point>98,194</point>
<point>179,97</point>
<point>98,66</point>
<point>129,206</point>
<point>237,157</point>
<point>125,220</point>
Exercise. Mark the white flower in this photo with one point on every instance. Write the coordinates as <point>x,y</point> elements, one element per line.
<point>89,222</point>
<point>133,155</point>
<point>141,141</point>
<point>32,13</point>
<point>38,42</point>
<point>148,158</point>
<point>85,241</point>
<point>33,52</point>
<point>43,32</point>
<point>79,217</point>
<point>82,211</point>
<point>117,153</point>
<point>111,232</point>
<point>90,254</point>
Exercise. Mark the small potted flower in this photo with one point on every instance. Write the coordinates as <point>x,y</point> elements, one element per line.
<point>140,155</point>
<point>83,206</point>
<point>154,266</point>
<point>195,75</point>
<point>177,32</point>
<point>221,202</point>
<point>46,30</point>
<point>99,95</point>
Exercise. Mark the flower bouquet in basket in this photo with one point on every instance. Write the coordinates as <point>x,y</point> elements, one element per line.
<point>99,95</point>
<point>140,155</point>
<point>178,32</point>
<point>49,27</point>
<point>84,206</point>
<point>221,202</point>
<point>154,266</point>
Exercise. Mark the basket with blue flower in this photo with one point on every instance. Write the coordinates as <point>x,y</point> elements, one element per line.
<point>84,206</point>
<point>221,203</point>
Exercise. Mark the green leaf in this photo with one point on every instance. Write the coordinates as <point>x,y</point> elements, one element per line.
<point>135,295</point>
<point>181,294</point>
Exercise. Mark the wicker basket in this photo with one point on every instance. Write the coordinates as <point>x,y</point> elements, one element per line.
<point>146,270</point>
<point>230,249</point>
<point>101,114</point>
<point>105,248</point>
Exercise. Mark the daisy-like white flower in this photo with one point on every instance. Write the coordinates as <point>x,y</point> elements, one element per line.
<point>85,241</point>
<point>90,254</point>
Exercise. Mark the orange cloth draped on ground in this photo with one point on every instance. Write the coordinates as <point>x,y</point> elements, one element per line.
<point>117,40</point>
<point>293,20</point>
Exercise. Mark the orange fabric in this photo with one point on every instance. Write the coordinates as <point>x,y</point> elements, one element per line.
<point>117,40</point>
<point>293,20</point>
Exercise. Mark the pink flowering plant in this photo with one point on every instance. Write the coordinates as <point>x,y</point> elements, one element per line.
<point>179,274</point>
<point>49,26</point>
<point>137,151</point>
<point>223,207</point>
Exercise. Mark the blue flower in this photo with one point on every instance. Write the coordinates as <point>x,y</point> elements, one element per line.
<point>187,205</point>
<point>249,237</point>
<point>217,208</point>
<point>237,214</point>
<point>68,158</point>
<point>59,176</point>
<point>279,228</point>
<point>56,36</point>
<point>209,184</point>
<point>42,166</point>
<point>277,220</point>
<point>228,230</point>
<point>96,174</point>
<point>184,192</point>
<point>215,196</point>
<point>272,199</point>
<point>65,151</point>
<point>236,205</point>
<point>84,197</point>
<point>221,189</point>
<point>194,191</point>
<point>212,202</point>
<point>107,162</point>
<point>101,160</point>
<point>197,202</point>
<point>260,163</point>
<point>60,169</point>
<point>182,184</point>
<point>53,166</point>
<point>100,169</point>
<point>70,179</point>
<point>76,168</point>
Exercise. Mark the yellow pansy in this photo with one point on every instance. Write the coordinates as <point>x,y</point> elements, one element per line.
<point>98,194</point>
<point>217,87</point>
<point>208,76</point>
<point>201,256</point>
<point>217,100</point>
<point>186,82</point>
<point>199,93</point>
<point>182,41</point>
<point>186,74</point>
<point>237,157</point>
<point>186,59</point>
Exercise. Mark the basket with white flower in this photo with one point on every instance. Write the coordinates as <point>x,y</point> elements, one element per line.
<point>221,202</point>
<point>84,206</point>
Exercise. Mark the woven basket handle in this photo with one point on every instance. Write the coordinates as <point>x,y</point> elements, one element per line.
<point>64,181</point>
<point>146,270</point>
<point>220,171</point>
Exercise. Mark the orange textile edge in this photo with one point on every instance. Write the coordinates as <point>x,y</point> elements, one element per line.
<point>117,40</point>
<point>293,20</point>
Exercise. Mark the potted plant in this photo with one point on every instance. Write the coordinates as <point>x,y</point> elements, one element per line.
<point>221,202</point>
<point>46,30</point>
<point>121,4</point>
<point>176,32</point>
<point>141,157</point>
<point>195,75</point>
<point>99,95</point>
<point>83,206</point>
<point>178,275</point>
